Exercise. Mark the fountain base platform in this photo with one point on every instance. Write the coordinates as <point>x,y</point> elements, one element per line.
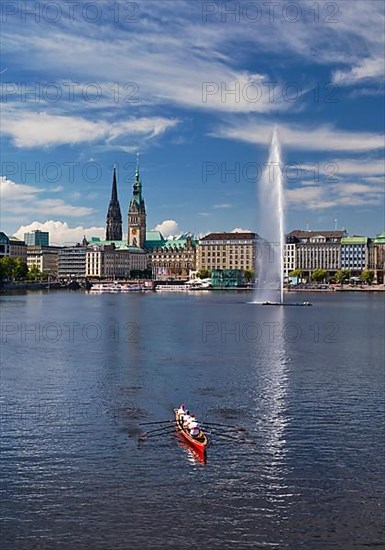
<point>267,303</point>
<point>286,304</point>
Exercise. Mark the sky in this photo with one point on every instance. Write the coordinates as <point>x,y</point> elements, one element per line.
<point>197,89</point>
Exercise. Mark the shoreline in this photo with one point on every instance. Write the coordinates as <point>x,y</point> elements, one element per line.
<point>13,288</point>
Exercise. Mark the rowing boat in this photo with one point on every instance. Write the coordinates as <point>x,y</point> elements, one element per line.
<point>198,442</point>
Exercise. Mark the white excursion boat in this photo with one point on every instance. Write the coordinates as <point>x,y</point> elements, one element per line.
<point>115,287</point>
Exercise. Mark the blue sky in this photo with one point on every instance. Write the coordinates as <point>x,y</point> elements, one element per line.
<point>112,79</point>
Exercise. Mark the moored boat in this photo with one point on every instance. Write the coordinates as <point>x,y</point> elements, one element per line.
<point>198,442</point>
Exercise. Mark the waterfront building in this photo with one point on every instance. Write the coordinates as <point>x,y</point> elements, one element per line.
<point>111,260</point>
<point>173,259</point>
<point>4,245</point>
<point>44,258</point>
<point>227,278</point>
<point>17,249</point>
<point>114,215</point>
<point>72,262</point>
<point>36,238</point>
<point>377,257</point>
<point>290,257</point>
<point>317,250</point>
<point>354,254</point>
<point>230,251</point>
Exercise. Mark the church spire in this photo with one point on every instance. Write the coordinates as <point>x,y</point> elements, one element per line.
<point>114,215</point>
<point>137,213</point>
<point>114,191</point>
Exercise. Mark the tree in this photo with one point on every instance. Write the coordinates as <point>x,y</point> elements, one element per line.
<point>367,276</point>
<point>296,273</point>
<point>342,276</point>
<point>203,274</point>
<point>8,266</point>
<point>319,275</point>
<point>34,273</point>
<point>20,270</point>
<point>248,274</point>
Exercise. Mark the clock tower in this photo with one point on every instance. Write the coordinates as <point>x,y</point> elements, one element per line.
<point>137,214</point>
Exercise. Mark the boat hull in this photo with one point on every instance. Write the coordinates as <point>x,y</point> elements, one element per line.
<point>198,444</point>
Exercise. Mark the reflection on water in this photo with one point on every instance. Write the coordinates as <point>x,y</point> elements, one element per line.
<point>305,473</point>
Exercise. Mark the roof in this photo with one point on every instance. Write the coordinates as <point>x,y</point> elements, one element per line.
<point>119,245</point>
<point>228,236</point>
<point>300,234</point>
<point>379,239</point>
<point>154,236</point>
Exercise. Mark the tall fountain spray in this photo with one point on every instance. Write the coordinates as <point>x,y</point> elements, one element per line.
<point>270,251</point>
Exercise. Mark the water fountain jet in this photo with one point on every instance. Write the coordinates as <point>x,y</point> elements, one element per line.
<point>271,223</point>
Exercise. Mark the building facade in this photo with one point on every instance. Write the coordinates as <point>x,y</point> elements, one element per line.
<point>229,251</point>
<point>107,261</point>
<point>377,257</point>
<point>36,238</point>
<point>17,249</point>
<point>290,258</point>
<point>172,260</point>
<point>4,245</point>
<point>72,263</point>
<point>354,254</point>
<point>114,215</point>
<point>44,258</point>
<point>317,250</point>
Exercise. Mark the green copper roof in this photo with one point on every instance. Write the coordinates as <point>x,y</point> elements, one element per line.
<point>379,239</point>
<point>120,245</point>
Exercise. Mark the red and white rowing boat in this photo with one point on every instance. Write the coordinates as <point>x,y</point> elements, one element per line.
<point>198,442</point>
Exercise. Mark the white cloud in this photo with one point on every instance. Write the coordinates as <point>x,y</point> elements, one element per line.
<point>29,129</point>
<point>19,199</point>
<point>223,205</point>
<point>321,138</point>
<point>347,166</point>
<point>62,234</point>
<point>317,197</point>
<point>168,228</point>
<point>367,69</point>
<point>240,230</point>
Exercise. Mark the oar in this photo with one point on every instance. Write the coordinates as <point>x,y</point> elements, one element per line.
<point>144,436</point>
<point>166,428</point>
<point>155,422</point>
<point>223,435</point>
<point>238,428</point>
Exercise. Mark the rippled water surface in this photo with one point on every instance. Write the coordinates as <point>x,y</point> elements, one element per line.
<point>79,372</point>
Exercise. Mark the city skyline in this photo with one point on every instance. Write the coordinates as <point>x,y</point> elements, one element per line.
<point>202,127</point>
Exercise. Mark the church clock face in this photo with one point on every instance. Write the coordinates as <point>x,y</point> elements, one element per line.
<point>134,231</point>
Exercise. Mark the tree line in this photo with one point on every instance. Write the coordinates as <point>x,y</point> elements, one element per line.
<point>15,269</point>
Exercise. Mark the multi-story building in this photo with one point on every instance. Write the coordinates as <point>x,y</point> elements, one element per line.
<point>17,249</point>
<point>290,257</point>
<point>36,238</point>
<point>227,251</point>
<point>113,262</point>
<point>174,259</point>
<point>317,250</point>
<point>4,245</point>
<point>72,262</point>
<point>44,258</point>
<point>377,257</point>
<point>354,254</point>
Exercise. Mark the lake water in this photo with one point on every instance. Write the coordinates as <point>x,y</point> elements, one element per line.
<point>80,371</point>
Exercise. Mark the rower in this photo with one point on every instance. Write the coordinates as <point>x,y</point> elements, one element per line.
<point>193,426</point>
